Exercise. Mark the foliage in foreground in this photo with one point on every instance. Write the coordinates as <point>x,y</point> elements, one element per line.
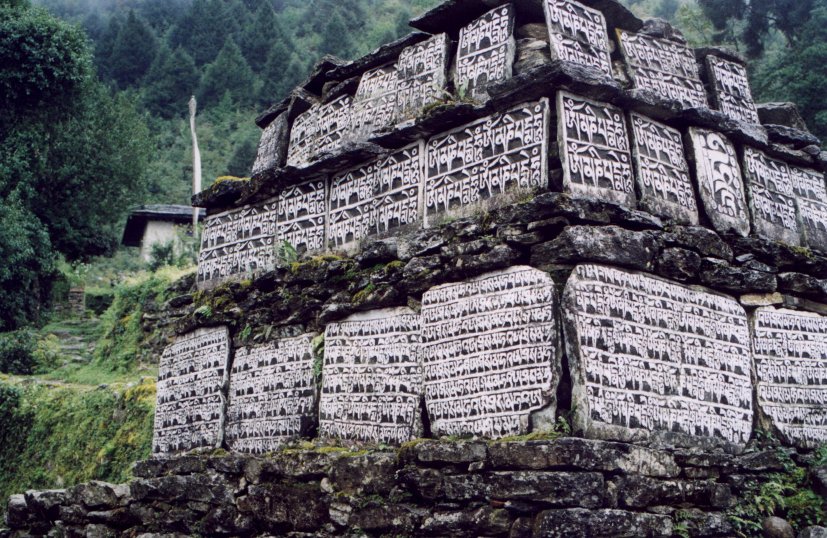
<point>60,436</point>
<point>120,346</point>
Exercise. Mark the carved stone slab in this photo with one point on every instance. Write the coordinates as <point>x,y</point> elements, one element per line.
<point>790,350</point>
<point>423,76</point>
<point>813,223</point>
<point>491,353</point>
<point>769,173</point>
<point>323,128</point>
<point>773,215</point>
<point>272,149</point>
<point>498,154</point>
<point>719,181</point>
<point>771,201</point>
<point>578,34</point>
<point>272,395</point>
<point>374,105</point>
<point>372,378</point>
<point>730,89</point>
<point>192,376</point>
<point>237,244</point>
<point>808,183</point>
<point>302,215</point>
<point>662,171</point>
<point>664,67</point>
<point>648,355</point>
<point>376,198</point>
<point>486,51</point>
<point>594,149</point>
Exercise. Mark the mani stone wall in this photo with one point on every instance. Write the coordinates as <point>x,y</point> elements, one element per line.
<point>485,110</point>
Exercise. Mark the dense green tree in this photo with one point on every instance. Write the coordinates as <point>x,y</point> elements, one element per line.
<point>43,59</point>
<point>336,38</point>
<point>171,80</point>
<point>667,9</point>
<point>229,73</point>
<point>797,74</point>
<point>203,29</point>
<point>27,269</point>
<point>105,44</point>
<point>281,73</point>
<point>261,36</point>
<point>750,21</point>
<point>133,51</point>
<point>241,163</point>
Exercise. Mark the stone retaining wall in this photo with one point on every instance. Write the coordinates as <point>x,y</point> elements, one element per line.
<point>565,487</point>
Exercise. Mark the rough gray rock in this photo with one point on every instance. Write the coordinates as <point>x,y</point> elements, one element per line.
<point>605,244</point>
<point>581,523</point>
<point>781,114</point>
<point>775,527</point>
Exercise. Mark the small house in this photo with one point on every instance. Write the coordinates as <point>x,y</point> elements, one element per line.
<point>148,225</point>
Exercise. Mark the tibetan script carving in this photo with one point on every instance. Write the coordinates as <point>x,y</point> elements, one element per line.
<point>486,51</point>
<point>791,362</point>
<point>272,395</point>
<point>374,106</point>
<point>490,352</point>
<point>652,355</point>
<point>578,34</point>
<point>730,89</point>
<point>376,198</point>
<point>372,378</point>
<point>321,129</point>
<point>594,149</point>
<point>813,223</point>
<point>664,67</point>
<point>663,174</point>
<point>808,183</point>
<point>302,211</point>
<point>771,201</point>
<point>719,182</point>
<point>811,194</point>
<point>423,76</point>
<point>237,244</point>
<point>191,378</point>
<point>271,149</point>
<point>486,158</point>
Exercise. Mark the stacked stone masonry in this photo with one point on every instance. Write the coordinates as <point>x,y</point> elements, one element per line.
<point>470,365</point>
<point>515,217</point>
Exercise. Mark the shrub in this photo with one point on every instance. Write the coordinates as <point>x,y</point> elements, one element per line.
<point>17,352</point>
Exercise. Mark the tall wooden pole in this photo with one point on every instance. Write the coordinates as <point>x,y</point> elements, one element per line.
<point>196,165</point>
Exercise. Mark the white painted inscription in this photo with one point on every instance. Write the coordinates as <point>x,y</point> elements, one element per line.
<point>665,67</point>
<point>731,92</point>
<point>423,76</point>
<point>490,352</point>
<point>302,211</point>
<point>192,374</point>
<point>813,223</point>
<point>376,198</point>
<point>808,183</point>
<point>771,197</point>
<point>486,51</point>
<point>237,244</point>
<point>372,378</point>
<point>594,149</point>
<point>649,354</point>
<point>791,362</point>
<point>272,395</point>
<point>663,174</point>
<point>374,106</point>
<point>321,129</point>
<point>486,158</point>
<point>578,34</point>
<point>719,182</point>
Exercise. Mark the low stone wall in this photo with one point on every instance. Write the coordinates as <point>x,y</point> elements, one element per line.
<point>563,487</point>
